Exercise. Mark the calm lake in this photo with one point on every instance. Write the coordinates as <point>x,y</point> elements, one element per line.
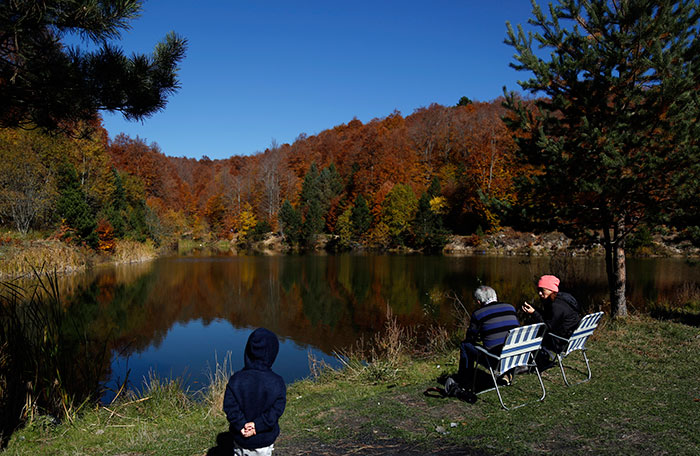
<point>176,317</point>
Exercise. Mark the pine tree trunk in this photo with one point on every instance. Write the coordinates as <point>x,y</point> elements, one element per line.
<point>616,271</point>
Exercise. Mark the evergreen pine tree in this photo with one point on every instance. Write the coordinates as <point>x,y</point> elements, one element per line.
<point>434,189</point>
<point>290,222</point>
<point>313,222</point>
<point>613,136</point>
<point>312,205</point>
<point>428,231</point>
<point>115,211</point>
<point>310,187</point>
<point>44,83</point>
<point>72,206</point>
<point>361,217</point>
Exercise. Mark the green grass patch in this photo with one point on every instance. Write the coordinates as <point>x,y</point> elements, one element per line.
<point>644,397</point>
<point>187,247</point>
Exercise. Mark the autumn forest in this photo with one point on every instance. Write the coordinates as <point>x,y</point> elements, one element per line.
<point>392,182</point>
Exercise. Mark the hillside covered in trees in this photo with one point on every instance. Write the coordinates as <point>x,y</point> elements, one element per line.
<point>392,182</point>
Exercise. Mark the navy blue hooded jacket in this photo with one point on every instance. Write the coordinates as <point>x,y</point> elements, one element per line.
<point>256,393</point>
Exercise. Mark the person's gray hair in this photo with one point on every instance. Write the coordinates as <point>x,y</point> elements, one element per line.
<point>485,295</point>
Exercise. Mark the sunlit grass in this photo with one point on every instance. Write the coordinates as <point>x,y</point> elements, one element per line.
<point>128,251</point>
<point>21,258</point>
<point>189,246</point>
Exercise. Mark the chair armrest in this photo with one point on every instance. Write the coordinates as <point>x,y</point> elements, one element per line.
<point>486,352</point>
<point>558,337</point>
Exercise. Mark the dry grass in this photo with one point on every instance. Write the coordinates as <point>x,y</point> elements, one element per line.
<point>47,374</point>
<point>213,395</point>
<point>22,258</point>
<point>683,305</point>
<point>382,357</point>
<point>17,261</point>
<point>686,296</point>
<point>379,358</point>
<point>128,251</point>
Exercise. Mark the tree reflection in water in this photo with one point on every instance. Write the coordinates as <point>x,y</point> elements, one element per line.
<point>176,315</point>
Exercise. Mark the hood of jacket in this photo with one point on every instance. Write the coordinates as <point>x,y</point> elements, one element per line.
<point>261,349</point>
<point>570,300</point>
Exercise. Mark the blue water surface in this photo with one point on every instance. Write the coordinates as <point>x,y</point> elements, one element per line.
<point>191,351</point>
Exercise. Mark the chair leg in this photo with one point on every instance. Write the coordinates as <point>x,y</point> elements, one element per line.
<point>561,366</point>
<point>498,391</point>
<point>588,368</point>
<point>474,374</point>
<point>539,377</point>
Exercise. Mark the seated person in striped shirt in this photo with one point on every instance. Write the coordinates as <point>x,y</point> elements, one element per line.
<point>489,325</point>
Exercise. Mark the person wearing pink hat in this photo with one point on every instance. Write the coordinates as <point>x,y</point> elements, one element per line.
<point>560,312</point>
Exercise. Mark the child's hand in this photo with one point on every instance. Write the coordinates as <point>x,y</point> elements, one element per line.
<point>248,430</point>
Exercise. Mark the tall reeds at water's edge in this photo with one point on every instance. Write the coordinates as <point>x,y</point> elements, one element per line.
<point>682,306</point>
<point>48,363</point>
<point>128,251</point>
<point>20,260</point>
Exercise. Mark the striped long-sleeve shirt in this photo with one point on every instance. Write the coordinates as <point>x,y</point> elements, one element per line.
<point>491,323</point>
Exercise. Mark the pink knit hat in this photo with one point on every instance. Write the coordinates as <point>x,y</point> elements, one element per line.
<point>549,282</point>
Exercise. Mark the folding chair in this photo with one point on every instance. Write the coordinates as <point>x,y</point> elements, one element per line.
<point>520,349</point>
<point>577,341</point>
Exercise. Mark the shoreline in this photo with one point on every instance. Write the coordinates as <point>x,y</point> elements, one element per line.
<point>19,258</point>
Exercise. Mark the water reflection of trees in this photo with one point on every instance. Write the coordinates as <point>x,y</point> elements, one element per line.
<point>322,301</point>
<point>326,302</point>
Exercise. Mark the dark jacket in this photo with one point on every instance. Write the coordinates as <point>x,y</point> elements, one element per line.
<point>561,318</point>
<point>256,393</point>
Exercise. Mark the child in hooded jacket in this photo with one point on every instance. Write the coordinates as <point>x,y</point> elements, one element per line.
<point>255,397</point>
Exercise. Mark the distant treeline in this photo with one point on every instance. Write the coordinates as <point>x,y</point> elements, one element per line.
<point>392,182</point>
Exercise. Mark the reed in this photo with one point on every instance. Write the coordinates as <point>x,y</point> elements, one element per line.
<point>382,357</point>
<point>213,395</point>
<point>49,365</point>
<point>128,251</point>
<point>20,259</point>
<point>682,306</point>
<point>170,392</point>
<point>187,247</point>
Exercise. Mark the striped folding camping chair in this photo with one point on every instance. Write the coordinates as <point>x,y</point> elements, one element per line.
<point>520,349</point>
<point>577,341</point>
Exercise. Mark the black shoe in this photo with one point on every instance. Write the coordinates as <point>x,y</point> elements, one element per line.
<point>451,386</point>
<point>466,396</point>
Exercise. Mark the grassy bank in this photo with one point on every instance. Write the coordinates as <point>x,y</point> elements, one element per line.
<point>644,397</point>
<point>21,257</point>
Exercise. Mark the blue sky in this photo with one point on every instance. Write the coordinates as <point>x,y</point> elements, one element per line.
<point>258,71</point>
